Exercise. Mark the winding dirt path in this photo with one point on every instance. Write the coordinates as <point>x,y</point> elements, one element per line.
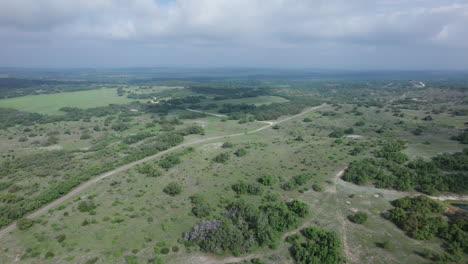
<point>206,113</point>
<point>130,165</point>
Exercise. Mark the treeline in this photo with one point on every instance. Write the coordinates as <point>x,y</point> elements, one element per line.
<point>14,87</point>
<point>243,226</point>
<point>14,211</point>
<point>222,93</point>
<point>421,218</point>
<point>444,173</point>
<point>11,117</point>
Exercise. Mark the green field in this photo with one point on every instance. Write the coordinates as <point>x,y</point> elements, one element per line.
<point>51,103</point>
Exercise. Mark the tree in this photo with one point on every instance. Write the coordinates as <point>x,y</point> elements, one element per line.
<point>298,207</point>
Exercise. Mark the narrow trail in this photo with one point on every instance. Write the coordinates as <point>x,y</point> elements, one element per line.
<point>342,221</point>
<point>206,113</point>
<point>130,165</point>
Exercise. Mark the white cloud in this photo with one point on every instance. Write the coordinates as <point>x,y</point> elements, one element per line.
<point>334,24</point>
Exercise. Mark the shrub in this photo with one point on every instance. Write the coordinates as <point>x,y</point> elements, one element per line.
<point>49,255</point>
<point>165,251</point>
<point>92,260</point>
<point>175,249</point>
<point>244,188</point>
<point>169,161</point>
<point>317,187</point>
<point>173,189</point>
<point>60,238</point>
<point>24,223</point>
<point>85,206</point>
<point>240,152</point>
<point>338,133</point>
<point>85,136</point>
<point>201,210</point>
<point>227,145</point>
<point>221,158</point>
<point>358,218</point>
<point>266,180</point>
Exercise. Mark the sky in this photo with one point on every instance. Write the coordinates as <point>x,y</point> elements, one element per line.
<point>321,34</point>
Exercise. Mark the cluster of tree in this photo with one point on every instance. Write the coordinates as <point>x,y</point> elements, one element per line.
<point>245,188</point>
<point>12,117</point>
<point>421,218</point>
<point>192,115</point>
<point>137,138</point>
<point>191,130</point>
<point>14,87</point>
<point>12,212</point>
<point>243,226</point>
<point>148,170</point>
<point>296,181</point>
<point>186,100</point>
<point>222,93</point>
<point>169,161</point>
<point>445,172</point>
<point>315,246</point>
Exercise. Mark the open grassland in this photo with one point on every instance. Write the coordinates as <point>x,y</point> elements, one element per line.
<point>131,218</point>
<point>134,216</point>
<point>51,103</point>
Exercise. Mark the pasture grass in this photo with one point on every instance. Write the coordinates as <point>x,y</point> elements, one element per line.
<point>51,103</point>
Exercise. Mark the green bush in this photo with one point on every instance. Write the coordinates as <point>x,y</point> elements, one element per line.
<point>240,152</point>
<point>317,187</point>
<point>49,255</point>
<point>85,206</point>
<point>266,180</point>
<point>24,223</point>
<point>221,158</point>
<point>227,145</point>
<point>173,189</point>
<point>358,218</point>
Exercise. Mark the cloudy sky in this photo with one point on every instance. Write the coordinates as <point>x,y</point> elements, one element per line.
<point>337,34</point>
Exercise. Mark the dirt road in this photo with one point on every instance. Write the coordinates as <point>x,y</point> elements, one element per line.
<point>130,165</point>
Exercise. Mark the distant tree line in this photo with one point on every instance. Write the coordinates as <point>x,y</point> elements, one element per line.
<point>15,87</point>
